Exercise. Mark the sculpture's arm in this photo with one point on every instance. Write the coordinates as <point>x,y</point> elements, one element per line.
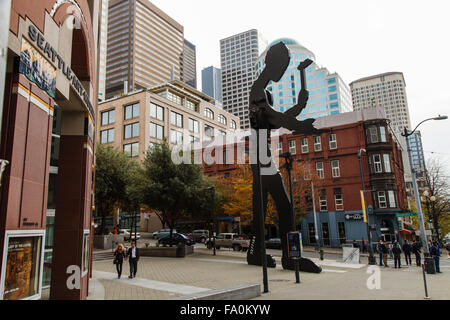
<point>301,104</point>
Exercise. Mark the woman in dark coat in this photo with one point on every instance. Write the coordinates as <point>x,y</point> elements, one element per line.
<point>119,256</point>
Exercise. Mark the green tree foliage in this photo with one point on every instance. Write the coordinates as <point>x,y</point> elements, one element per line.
<point>115,174</point>
<point>177,191</point>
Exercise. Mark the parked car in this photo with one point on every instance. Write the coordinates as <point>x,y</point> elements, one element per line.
<point>162,233</point>
<point>127,235</point>
<point>447,244</point>
<point>229,240</point>
<point>200,235</point>
<point>177,239</point>
<point>274,243</point>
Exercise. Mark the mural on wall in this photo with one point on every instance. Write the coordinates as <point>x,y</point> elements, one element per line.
<point>37,69</point>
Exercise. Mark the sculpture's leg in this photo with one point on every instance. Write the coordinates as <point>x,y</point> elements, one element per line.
<point>254,252</point>
<point>283,204</point>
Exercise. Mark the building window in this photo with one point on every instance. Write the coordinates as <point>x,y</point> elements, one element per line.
<point>190,105</point>
<point>176,119</point>
<point>323,200</point>
<point>317,144</point>
<point>233,125</point>
<point>338,199</point>
<point>319,169</point>
<point>279,147</point>
<point>156,112</point>
<point>377,163</point>
<point>193,139</point>
<point>392,203</point>
<point>209,131</point>
<point>333,141</point>
<point>194,126</point>
<point>131,150</point>
<point>372,134</point>
<point>382,199</point>
<point>107,136</point>
<point>222,119</point>
<point>156,131</point>
<point>305,148</point>
<point>312,233</point>
<point>176,137</point>
<point>335,171</point>
<point>387,163</point>
<point>209,114</point>
<point>292,147</point>
<point>173,97</point>
<point>131,130</point>
<point>108,117</point>
<point>383,137</point>
<point>325,234</point>
<point>132,111</point>
<point>342,236</point>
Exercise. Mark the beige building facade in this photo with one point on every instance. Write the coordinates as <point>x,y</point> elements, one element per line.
<point>172,111</point>
<point>145,47</point>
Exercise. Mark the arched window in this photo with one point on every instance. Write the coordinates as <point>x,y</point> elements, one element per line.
<point>209,114</point>
<point>233,125</point>
<point>222,119</point>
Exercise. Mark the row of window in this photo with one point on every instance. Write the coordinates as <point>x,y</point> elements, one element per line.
<point>383,199</point>
<point>130,112</point>
<point>332,142</point>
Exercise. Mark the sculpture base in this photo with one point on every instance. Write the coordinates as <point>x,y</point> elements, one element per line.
<point>305,265</point>
<point>255,260</point>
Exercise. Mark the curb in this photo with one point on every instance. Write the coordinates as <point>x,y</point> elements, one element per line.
<point>241,292</point>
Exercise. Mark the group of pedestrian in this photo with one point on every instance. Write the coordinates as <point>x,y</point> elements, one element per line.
<point>133,257</point>
<point>395,251</point>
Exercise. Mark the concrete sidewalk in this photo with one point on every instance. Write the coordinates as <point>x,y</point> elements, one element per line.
<point>168,278</point>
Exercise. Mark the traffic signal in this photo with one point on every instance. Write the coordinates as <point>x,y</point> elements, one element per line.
<point>430,220</point>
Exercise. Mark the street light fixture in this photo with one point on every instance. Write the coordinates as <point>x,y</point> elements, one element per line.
<point>372,260</point>
<point>429,263</point>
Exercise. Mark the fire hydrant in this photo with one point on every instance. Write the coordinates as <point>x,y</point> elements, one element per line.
<point>321,254</point>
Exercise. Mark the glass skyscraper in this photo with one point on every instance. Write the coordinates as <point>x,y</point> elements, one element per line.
<point>328,94</point>
<point>212,84</point>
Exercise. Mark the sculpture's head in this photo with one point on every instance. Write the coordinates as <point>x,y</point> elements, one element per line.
<point>277,61</point>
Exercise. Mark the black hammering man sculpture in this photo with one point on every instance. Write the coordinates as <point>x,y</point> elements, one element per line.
<point>266,177</point>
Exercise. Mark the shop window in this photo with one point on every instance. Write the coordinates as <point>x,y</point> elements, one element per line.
<point>342,235</point>
<point>311,233</point>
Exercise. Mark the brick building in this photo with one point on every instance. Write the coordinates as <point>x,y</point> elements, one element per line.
<point>333,157</point>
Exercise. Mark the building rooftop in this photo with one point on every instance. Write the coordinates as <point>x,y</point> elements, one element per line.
<point>378,76</point>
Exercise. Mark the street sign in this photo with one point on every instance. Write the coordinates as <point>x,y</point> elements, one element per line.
<point>353,216</point>
<point>294,244</point>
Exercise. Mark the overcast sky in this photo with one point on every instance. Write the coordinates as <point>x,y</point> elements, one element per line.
<point>355,38</point>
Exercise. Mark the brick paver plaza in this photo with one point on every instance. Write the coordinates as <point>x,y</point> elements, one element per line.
<point>167,278</point>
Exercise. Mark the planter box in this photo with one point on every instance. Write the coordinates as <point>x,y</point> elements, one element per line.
<point>174,252</point>
<point>107,242</point>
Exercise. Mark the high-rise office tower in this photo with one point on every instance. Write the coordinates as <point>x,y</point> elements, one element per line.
<point>103,38</point>
<point>238,55</point>
<point>328,93</point>
<point>212,84</point>
<point>190,64</point>
<point>387,90</point>
<point>384,90</point>
<point>145,46</point>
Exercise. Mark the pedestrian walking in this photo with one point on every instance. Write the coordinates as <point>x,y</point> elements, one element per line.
<point>391,254</point>
<point>397,251</point>
<point>363,244</point>
<point>407,251</point>
<point>417,252</point>
<point>380,251</point>
<point>119,255</point>
<point>435,252</point>
<point>133,258</point>
<point>355,244</point>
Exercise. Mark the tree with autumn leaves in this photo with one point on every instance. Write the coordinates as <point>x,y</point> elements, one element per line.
<point>239,194</point>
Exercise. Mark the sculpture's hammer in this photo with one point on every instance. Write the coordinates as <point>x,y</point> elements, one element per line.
<point>301,67</point>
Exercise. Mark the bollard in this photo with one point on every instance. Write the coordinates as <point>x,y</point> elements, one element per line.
<point>321,254</point>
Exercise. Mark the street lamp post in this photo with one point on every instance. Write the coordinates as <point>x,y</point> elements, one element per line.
<point>429,263</point>
<point>372,260</point>
<point>213,194</point>
<point>430,201</point>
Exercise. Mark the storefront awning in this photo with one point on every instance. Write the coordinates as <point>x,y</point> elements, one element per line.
<point>405,232</point>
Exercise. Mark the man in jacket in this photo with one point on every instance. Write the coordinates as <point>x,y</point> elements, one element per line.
<point>133,258</point>
<point>397,251</point>
<point>407,251</point>
<point>380,251</point>
<point>417,252</point>
<point>435,252</point>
